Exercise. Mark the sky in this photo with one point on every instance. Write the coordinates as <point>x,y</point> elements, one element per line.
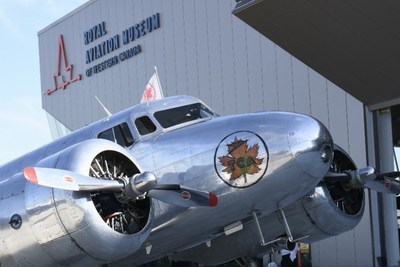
<point>24,125</point>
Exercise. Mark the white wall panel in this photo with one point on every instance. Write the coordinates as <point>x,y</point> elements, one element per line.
<point>137,65</point>
<point>325,253</point>
<point>355,113</point>
<point>169,48</point>
<point>203,66</point>
<point>337,112</point>
<point>85,18</point>
<point>241,86</point>
<point>99,13</point>
<point>269,74</point>
<point>301,87</point>
<point>180,52</point>
<point>108,79</point>
<point>284,80</point>
<point>118,75</point>
<point>130,81</point>
<point>345,249</point>
<point>215,48</point>
<point>318,97</point>
<point>191,53</point>
<point>227,54</point>
<point>254,65</point>
<point>363,254</point>
<point>88,89</point>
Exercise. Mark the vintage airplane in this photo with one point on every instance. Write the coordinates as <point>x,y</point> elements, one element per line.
<point>172,178</point>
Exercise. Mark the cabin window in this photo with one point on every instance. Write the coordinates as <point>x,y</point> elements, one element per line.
<point>144,125</point>
<point>119,134</point>
<point>174,116</point>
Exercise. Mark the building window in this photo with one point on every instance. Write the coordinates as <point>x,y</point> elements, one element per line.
<point>119,134</point>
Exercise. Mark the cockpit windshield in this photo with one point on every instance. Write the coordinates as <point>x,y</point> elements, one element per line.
<point>174,116</point>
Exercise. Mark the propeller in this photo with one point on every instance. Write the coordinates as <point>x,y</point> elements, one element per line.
<point>367,177</point>
<point>136,187</point>
<point>62,179</point>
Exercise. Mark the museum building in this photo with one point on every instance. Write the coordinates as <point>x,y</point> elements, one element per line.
<point>109,50</point>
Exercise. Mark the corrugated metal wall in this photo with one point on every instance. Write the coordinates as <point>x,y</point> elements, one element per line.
<point>201,49</point>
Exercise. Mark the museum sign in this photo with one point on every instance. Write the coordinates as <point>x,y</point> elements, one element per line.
<point>119,41</point>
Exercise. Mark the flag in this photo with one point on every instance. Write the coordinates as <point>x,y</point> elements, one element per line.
<point>153,89</point>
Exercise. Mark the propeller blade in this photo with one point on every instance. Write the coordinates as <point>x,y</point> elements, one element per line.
<point>168,187</point>
<point>67,180</point>
<point>386,185</point>
<point>367,177</point>
<point>388,174</point>
<point>380,182</point>
<point>337,177</point>
<point>169,193</point>
<point>182,196</point>
<point>145,184</point>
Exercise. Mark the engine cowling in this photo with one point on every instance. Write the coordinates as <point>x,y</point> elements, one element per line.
<point>64,227</point>
<point>332,208</point>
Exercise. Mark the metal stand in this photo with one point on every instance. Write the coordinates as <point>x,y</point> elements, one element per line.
<point>289,235</point>
<point>286,225</point>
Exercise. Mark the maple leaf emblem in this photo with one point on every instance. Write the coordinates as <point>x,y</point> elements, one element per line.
<point>149,92</point>
<point>241,160</point>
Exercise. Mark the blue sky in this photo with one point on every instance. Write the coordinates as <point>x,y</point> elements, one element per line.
<point>22,119</point>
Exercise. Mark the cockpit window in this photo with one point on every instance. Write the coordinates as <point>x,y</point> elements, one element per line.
<point>119,134</point>
<point>171,117</point>
<point>144,125</point>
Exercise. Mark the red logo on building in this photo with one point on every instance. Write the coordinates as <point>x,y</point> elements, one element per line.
<point>62,81</point>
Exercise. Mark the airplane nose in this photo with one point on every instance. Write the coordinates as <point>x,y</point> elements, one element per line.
<point>311,145</point>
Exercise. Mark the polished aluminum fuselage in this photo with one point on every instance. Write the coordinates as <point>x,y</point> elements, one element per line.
<point>282,158</point>
<point>295,145</point>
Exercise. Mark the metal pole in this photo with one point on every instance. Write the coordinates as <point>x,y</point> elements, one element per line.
<point>374,198</point>
<point>389,209</point>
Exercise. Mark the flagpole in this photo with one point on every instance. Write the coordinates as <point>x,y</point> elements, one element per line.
<point>158,80</point>
<point>109,114</point>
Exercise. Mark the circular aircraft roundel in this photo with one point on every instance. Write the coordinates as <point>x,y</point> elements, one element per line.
<point>241,159</point>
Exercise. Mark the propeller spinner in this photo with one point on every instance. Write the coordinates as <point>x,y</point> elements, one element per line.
<point>137,186</point>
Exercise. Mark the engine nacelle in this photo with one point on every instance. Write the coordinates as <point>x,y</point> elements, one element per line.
<point>333,207</point>
<point>86,228</point>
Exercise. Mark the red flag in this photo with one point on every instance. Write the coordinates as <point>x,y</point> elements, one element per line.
<point>153,89</point>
